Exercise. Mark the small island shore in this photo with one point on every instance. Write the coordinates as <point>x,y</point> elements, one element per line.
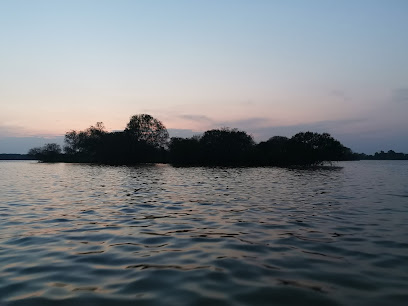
<point>146,140</point>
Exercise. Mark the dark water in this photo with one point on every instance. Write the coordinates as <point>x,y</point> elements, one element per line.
<point>157,235</point>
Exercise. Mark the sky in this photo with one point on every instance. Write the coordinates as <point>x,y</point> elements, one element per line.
<point>266,67</point>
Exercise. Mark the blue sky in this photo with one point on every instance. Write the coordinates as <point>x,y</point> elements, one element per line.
<point>267,67</point>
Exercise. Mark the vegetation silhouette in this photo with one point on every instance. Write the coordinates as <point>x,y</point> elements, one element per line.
<point>232,147</point>
<point>50,152</point>
<point>215,147</point>
<point>390,155</point>
<point>146,129</point>
<point>8,156</point>
<point>146,140</point>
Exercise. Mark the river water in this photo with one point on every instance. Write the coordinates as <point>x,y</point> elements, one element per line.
<point>75,234</point>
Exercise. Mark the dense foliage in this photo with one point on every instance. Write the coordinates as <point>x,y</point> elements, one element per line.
<point>215,147</point>
<point>143,141</point>
<point>233,147</point>
<point>144,128</point>
<point>146,140</point>
<point>50,152</point>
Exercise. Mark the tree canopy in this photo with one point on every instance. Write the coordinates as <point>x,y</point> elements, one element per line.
<point>49,152</point>
<point>145,128</point>
<point>146,140</point>
<point>85,142</point>
<point>226,146</point>
<point>314,148</point>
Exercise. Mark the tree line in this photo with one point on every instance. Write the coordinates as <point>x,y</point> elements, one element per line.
<point>12,156</point>
<point>146,140</point>
<point>390,155</point>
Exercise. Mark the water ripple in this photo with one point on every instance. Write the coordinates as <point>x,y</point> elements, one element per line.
<point>158,235</point>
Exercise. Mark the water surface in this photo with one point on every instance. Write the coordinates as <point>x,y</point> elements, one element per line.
<point>74,234</point>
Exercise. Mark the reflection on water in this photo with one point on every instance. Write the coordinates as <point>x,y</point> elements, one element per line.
<point>158,235</point>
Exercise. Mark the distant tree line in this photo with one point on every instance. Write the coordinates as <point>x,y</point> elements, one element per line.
<point>146,140</point>
<point>390,155</point>
<point>6,156</point>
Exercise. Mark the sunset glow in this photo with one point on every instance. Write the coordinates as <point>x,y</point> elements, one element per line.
<point>266,67</point>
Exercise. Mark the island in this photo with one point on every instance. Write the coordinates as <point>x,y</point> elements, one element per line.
<point>146,140</point>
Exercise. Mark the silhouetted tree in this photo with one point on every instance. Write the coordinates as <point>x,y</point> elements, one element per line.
<point>143,140</point>
<point>226,147</point>
<point>50,152</point>
<point>273,151</point>
<point>86,145</point>
<point>148,138</point>
<point>308,148</point>
<point>35,152</point>
<point>145,128</point>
